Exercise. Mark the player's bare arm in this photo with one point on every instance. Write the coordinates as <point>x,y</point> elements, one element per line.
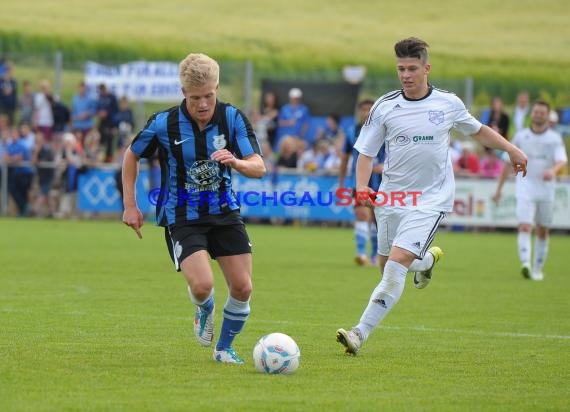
<point>501,181</point>
<point>363,172</point>
<point>132,216</point>
<point>551,173</point>
<point>250,166</point>
<point>490,138</point>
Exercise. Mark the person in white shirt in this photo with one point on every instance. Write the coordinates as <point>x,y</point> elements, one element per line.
<point>521,111</point>
<point>535,193</point>
<point>418,186</point>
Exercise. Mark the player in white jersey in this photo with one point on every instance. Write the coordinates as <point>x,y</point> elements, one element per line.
<point>418,187</point>
<point>535,193</point>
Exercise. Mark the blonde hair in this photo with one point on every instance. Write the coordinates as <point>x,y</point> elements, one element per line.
<point>197,69</point>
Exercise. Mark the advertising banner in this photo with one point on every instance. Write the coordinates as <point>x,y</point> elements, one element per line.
<point>318,198</point>
<point>138,81</point>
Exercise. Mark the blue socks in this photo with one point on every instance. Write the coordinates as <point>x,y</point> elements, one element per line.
<point>235,316</point>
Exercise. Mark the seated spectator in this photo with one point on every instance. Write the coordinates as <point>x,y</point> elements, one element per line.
<point>288,152</point>
<point>491,164</point>
<point>72,157</point>
<point>313,159</point>
<point>92,153</point>
<point>27,136</point>
<point>468,163</point>
<point>268,155</point>
<point>124,122</point>
<point>294,117</point>
<point>332,130</point>
<point>499,120</point>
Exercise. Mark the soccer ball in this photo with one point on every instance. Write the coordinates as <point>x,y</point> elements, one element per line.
<point>276,353</point>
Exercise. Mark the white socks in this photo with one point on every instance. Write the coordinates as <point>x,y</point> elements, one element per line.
<point>384,297</point>
<point>421,265</point>
<point>540,253</point>
<point>523,239</point>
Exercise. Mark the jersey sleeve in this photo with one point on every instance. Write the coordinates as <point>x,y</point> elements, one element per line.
<point>464,122</point>
<point>372,135</point>
<point>245,142</point>
<point>560,150</point>
<point>145,142</point>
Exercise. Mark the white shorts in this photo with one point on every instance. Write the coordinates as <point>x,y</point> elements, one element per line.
<point>531,211</point>
<point>409,229</point>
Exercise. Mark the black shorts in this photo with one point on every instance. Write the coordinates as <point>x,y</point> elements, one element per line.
<point>227,237</point>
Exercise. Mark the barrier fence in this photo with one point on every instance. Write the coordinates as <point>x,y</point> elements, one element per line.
<point>307,197</point>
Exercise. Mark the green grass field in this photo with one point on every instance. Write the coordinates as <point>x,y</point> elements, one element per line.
<point>511,39</point>
<point>94,319</point>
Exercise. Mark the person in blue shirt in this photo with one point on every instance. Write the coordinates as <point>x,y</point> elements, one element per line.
<point>365,222</point>
<point>199,142</point>
<point>83,112</point>
<point>19,175</point>
<point>294,118</point>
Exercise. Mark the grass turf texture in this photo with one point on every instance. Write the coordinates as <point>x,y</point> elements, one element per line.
<point>513,40</point>
<point>94,319</point>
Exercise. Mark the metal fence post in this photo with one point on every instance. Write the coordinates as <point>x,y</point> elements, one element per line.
<point>58,69</point>
<point>248,87</point>
<point>468,92</point>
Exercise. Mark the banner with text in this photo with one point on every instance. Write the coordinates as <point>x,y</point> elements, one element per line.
<point>138,81</point>
<point>309,197</point>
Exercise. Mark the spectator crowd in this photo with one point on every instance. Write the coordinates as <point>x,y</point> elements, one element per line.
<point>46,143</point>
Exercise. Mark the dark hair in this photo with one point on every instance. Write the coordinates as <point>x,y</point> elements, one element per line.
<point>542,103</point>
<point>412,47</point>
<point>365,102</point>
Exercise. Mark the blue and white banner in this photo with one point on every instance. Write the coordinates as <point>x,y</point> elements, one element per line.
<point>318,198</point>
<point>138,81</point>
<point>97,192</point>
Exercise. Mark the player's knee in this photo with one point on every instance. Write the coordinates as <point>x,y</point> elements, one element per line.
<point>201,290</point>
<point>241,290</point>
<point>525,227</point>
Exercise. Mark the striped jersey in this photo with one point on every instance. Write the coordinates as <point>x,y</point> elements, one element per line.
<point>543,151</point>
<point>416,135</point>
<point>194,187</point>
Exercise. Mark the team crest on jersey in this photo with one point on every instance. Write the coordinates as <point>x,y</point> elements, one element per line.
<point>402,140</point>
<point>220,141</point>
<point>436,116</point>
<point>177,249</point>
<point>204,175</point>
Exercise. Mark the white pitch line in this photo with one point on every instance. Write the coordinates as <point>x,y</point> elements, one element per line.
<point>478,332</point>
<point>442,330</point>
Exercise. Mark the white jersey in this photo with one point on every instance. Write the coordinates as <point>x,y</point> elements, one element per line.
<point>543,151</point>
<point>417,138</point>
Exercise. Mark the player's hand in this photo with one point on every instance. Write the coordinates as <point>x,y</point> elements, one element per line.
<point>518,160</point>
<point>497,198</point>
<point>548,175</point>
<point>225,157</point>
<point>134,218</point>
<point>363,196</point>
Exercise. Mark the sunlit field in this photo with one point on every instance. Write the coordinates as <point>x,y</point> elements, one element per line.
<point>511,39</point>
<point>94,319</point>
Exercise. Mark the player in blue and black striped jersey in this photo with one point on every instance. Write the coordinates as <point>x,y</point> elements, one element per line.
<point>365,222</point>
<point>199,142</point>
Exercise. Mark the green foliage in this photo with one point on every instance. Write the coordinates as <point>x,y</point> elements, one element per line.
<point>475,39</point>
<point>95,319</point>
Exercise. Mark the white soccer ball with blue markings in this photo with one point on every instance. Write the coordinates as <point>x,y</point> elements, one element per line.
<point>276,353</point>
